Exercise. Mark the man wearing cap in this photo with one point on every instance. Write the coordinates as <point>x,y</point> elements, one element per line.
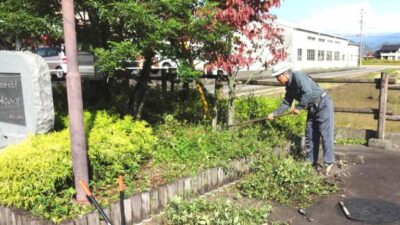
<point>320,115</point>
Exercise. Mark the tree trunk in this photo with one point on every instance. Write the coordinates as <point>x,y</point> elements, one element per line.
<point>75,104</point>
<point>218,95</point>
<point>231,99</point>
<point>140,92</point>
<point>202,92</point>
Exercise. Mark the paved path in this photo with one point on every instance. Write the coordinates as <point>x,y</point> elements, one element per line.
<point>378,178</point>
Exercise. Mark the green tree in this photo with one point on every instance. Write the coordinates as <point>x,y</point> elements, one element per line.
<point>164,27</point>
<point>188,30</point>
<point>28,22</point>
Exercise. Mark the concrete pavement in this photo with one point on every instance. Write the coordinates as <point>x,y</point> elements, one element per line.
<point>371,173</point>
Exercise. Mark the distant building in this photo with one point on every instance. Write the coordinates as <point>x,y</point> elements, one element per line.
<point>312,50</point>
<point>369,55</point>
<point>389,52</point>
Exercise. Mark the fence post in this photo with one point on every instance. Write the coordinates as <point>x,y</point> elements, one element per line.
<point>164,81</point>
<point>382,105</point>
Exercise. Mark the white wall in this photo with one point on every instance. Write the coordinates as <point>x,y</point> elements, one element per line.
<point>305,40</point>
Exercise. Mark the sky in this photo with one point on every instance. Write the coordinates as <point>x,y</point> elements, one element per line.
<point>341,16</point>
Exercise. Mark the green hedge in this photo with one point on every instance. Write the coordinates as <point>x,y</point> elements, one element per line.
<point>37,175</point>
<point>118,146</point>
<point>293,126</point>
<point>188,148</point>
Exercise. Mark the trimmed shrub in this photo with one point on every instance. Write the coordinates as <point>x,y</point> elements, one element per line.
<point>293,126</point>
<point>118,146</point>
<point>188,148</point>
<point>37,173</point>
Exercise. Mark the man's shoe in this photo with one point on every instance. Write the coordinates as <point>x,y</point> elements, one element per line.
<point>328,168</point>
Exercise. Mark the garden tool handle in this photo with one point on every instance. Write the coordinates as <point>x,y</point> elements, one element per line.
<point>85,188</point>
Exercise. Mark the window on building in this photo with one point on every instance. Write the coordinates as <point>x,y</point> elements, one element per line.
<point>311,38</point>
<point>337,42</point>
<point>310,55</point>
<point>321,40</point>
<point>328,55</point>
<point>343,57</point>
<point>321,55</point>
<point>337,56</point>
<point>330,41</point>
<point>299,54</point>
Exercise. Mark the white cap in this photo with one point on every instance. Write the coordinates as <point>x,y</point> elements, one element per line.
<point>280,68</point>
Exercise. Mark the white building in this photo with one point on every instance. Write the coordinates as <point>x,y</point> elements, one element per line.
<point>312,50</point>
<point>390,52</point>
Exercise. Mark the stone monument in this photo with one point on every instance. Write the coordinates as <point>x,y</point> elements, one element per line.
<point>26,100</point>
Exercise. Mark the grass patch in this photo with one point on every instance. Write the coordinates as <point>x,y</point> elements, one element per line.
<point>364,96</point>
<point>351,141</point>
<point>380,62</point>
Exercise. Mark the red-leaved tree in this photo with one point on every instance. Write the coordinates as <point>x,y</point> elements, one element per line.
<point>253,29</point>
<point>250,32</point>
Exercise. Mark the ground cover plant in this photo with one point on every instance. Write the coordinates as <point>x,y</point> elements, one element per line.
<point>285,180</point>
<point>207,212</point>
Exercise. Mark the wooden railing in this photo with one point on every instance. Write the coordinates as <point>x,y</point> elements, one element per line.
<point>383,84</point>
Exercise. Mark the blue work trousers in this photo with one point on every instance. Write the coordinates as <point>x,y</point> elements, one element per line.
<point>320,124</point>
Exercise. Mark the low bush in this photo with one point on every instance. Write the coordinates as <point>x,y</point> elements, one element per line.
<point>201,211</point>
<point>187,149</point>
<point>118,146</point>
<point>292,126</point>
<point>37,175</point>
<point>284,180</point>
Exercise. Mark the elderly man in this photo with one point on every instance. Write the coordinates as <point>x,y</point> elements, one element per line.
<point>320,115</point>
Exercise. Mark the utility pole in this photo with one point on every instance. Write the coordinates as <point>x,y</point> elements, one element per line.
<point>361,38</point>
<point>75,104</point>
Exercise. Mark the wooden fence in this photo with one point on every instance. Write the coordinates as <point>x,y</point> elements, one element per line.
<point>383,84</point>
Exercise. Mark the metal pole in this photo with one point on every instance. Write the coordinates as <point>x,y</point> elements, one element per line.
<point>75,105</point>
<point>382,105</point>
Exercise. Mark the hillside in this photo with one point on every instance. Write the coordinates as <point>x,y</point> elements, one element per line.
<point>373,42</point>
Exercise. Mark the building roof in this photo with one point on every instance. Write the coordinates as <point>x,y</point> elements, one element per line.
<point>296,27</point>
<point>389,48</point>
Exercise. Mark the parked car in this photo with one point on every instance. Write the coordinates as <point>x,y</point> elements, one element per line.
<point>55,58</point>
